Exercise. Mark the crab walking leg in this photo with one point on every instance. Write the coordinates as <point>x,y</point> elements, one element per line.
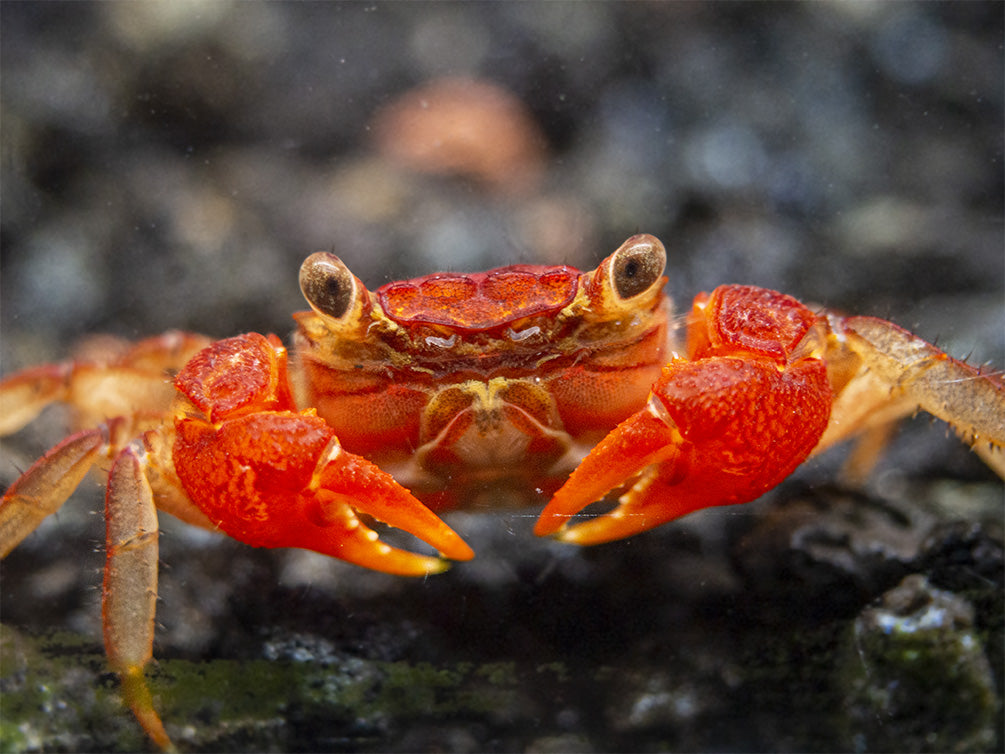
<point>127,381</point>
<point>898,373</point>
<point>25,394</point>
<point>116,395</point>
<point>46,485</point>
<point>129,592</point>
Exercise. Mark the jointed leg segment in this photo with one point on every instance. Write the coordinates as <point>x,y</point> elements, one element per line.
<point>129,594</point>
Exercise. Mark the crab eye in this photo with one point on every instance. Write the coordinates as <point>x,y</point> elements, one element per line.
<point>637,265</point>
<point>327,284</point>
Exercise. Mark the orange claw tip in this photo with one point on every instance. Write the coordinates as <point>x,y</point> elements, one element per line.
<point>620,523</point>
<point>551,525</point>
<point>403,563</point>
<point>367,551</point>
<point>381,556</point>
<point>639,443</point>
<point>458,550</point>
<point>344,479</point>
<point>334,529</point>
<point>446,541</point>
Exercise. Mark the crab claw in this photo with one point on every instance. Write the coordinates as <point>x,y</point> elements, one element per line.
<point>270,476</point>
<point>281,479</point>
<point>716,431</point>
<point>720,428</point>
<point>345,483</point>
<point>641,445</point>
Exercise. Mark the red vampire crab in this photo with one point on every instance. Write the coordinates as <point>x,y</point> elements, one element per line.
<point>457,391</point>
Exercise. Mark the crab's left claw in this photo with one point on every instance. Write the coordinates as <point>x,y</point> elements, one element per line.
<point>345,483</point>
<point>640,448</point>
<point>721,428</point>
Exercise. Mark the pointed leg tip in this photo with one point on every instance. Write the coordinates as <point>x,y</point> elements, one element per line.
<point>136,695</point>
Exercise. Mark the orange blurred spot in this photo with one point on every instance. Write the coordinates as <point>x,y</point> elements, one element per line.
<point>466,127</point>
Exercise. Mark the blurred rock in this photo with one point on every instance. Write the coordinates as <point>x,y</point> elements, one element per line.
<point>467,127</point>
<point>916,676</point>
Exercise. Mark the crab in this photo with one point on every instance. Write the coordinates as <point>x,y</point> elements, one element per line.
<point>520,386</point>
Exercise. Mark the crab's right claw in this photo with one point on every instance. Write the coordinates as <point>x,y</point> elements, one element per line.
<point>270,476</point>
<point>345,484</point>
<point>281,479</point>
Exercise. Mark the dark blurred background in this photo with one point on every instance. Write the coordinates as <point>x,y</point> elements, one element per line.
<point>169,165</point>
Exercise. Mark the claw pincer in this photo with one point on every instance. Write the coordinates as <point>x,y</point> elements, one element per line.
<point>270,476</point>
<point>723,426</point>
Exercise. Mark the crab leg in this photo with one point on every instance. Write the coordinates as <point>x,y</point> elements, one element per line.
<point>46,485</point>
<point>129,593</point>
<point>721,428</point>
<point>25,394</point>
<point>121,389</point>
<point>130,585</point>
<point>891,373</point>
<point>117,380</point>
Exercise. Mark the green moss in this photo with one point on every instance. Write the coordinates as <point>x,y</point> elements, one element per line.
<point>918,678</point>
<point>557,669</point>
<point>59,695</point>
<point>499,673</point>
<point>223,689</point>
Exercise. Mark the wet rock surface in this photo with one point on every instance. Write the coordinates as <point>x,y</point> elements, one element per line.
<point>541,646</point>
<point>917,640</point>
<point>171,170</point>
